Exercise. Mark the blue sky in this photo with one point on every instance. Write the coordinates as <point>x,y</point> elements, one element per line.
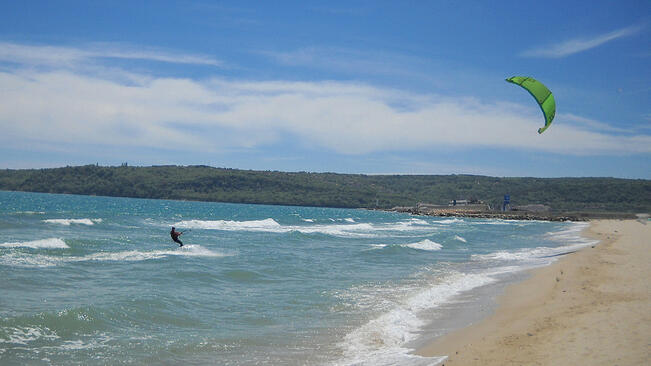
<point>408,87</point>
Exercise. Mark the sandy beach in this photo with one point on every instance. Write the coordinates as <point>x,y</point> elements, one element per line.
<point>592,307</point>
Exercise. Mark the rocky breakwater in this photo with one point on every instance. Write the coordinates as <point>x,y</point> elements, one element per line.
<point>509,215</point>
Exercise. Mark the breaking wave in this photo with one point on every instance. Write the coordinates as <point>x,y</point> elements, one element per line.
<point>37,244</point>
<point>68,222</point>
<point>39,260</point>
<point>570,237</point>
<point>421,245</point>
<point>350,228</point>
<point>381,340</point>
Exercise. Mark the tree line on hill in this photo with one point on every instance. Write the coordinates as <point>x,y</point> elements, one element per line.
<point>204,183</point>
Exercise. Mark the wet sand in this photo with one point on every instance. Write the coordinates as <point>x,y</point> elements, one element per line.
<point>591,307</point>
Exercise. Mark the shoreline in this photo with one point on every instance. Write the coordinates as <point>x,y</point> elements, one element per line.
<point>574,216</point>
<point>589,307</point>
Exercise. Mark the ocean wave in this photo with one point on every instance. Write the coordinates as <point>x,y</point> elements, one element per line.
<point>24,260</point>
<point>68,222</point>
<point>541,254</point>
<point>448,221</point>
<point>421,245</point>
<point>570,234</point>
<point>189,250</point>
<point>351,228</point>
<point>230,225</point>
<point>570,237</point>
<point>384,337</point>
<point>24,334</point>
<point>51,330</point>
<point>425,245</point>
<point>459,238</point>
<point>38,244</point>
<point>76,345</point>
<point>39,260</point>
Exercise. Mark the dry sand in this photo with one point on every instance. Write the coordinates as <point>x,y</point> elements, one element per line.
<point>592,307</point>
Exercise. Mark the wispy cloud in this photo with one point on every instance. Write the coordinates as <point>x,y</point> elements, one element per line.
<point>59,56</point>
<point>64,107</point>
<point>577,45</point>
<point>351,61</point>
<point>592,124</point>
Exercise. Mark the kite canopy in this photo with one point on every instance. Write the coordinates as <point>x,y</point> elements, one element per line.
<point>543,96</point>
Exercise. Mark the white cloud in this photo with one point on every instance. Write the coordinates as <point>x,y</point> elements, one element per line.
<point>577,45</point>
<point>57,56</point>
<point>592,124</point>
<point>353,61</point>
<point>61,107</point>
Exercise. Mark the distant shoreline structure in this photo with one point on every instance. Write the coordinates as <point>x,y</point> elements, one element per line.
<point>423,210</point>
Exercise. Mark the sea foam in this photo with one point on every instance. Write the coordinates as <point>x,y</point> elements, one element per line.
<point>449,221</point>
<point>421,245</point>
<point>135,255</point>
<point>570,237</point>
<point>68,222</point>
<point>349,229</point>
<point>425,245</point>
<point>38,244</point>
<point>39,260</point>
<point>382,340</point>
<point>25,334</point>
<point>230,225</point>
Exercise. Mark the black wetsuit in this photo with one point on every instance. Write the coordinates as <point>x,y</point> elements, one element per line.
<point>175,236</point>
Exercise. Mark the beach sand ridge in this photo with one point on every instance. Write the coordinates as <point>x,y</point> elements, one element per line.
<point>592,307</point>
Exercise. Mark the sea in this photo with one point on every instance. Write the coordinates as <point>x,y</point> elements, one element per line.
<point>88,280</point>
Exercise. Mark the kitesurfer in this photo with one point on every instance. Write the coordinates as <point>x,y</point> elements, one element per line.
<point>175,236</point>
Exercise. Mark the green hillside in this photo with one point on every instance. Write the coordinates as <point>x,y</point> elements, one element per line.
<point>328,189</point>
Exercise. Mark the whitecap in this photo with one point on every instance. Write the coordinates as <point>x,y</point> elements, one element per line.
<point>448,221</point>
<point>421,245</point>
<point>25,334</point>
<point>378,246</point>
<point>68,222</point>
<point>349,229</point>
<point>38,244</point>
<point>229,225</point>
<point>459,238</point>
<point>38,260</point>
<point>134,255</point>
<point>425,245</point>
<point>18,259</point>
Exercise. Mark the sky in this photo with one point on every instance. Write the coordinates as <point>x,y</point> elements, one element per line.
<point>371,87</point>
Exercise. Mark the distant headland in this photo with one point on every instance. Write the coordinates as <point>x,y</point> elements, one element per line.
<point>440,195</point>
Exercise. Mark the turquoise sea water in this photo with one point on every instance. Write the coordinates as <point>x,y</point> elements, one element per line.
<point>98,281</point>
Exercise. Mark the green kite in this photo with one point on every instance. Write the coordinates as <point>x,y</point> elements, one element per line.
<point>543,96</point>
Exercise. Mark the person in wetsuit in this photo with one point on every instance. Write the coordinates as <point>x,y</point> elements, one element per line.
<point>175,236</point>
